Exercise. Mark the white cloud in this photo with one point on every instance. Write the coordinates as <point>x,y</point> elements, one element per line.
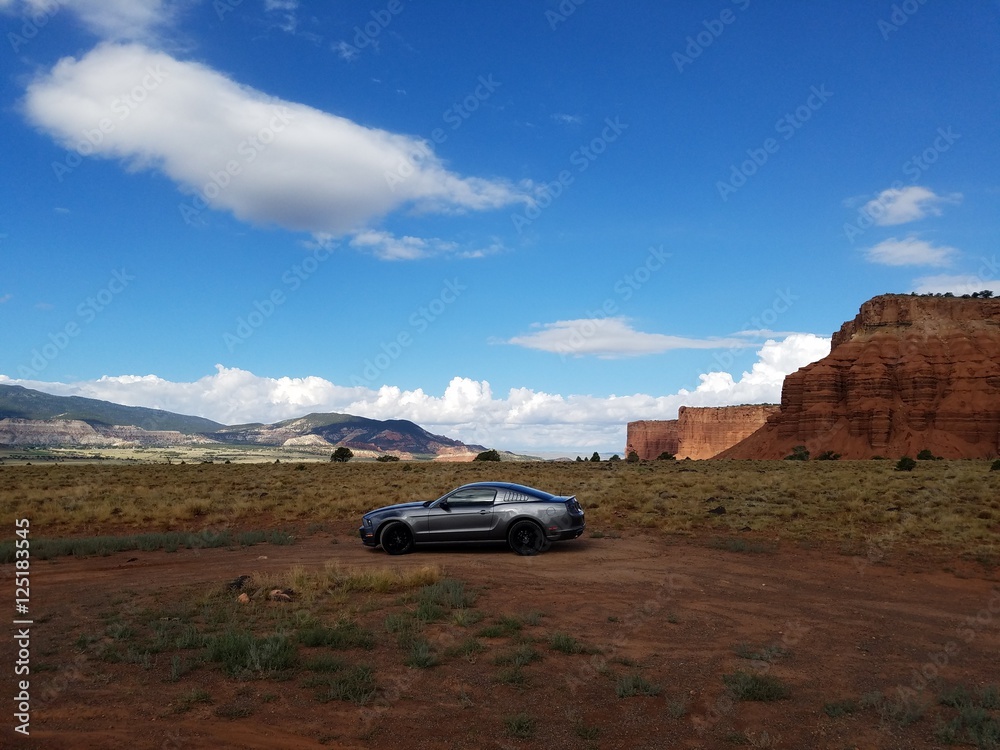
<point>610,338</point>
<point>910,251</point>
<point>387,246</point>
<point>958,284</point>
<point>286,10</point>
<point>903,205</point>
<point>468,410</point>
<point>567,119</point>
<point>345,51</point>
<point>266,160</point>
<point>117,20</point>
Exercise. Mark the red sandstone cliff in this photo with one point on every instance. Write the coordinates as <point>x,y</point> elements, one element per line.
<point>908,373</point>
<point>698,432</point>
<point>649,438</point>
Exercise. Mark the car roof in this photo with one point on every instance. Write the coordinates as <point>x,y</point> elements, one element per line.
<point>540,494</point>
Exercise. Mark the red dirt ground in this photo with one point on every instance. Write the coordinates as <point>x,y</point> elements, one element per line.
<point>671,611</point>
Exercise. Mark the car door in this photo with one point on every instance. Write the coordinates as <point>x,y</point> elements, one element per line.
<point>464,515</point>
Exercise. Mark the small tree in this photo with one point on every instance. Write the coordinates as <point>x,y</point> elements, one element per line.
<point>906,464</point>
<point>828,456</point>
<point>342,455</point>
<point>926,455</point>
<point>799,453</point>
<point>596,458</point>
<point>615,457</point>
<point>579,459</point>
<point>490,455</point>
<point>387,458</point>
<point>632,458</point>
<point>666,456</point>
<point>995,466</point>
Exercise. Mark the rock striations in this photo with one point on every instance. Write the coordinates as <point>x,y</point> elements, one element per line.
<point>908,373</point>
<point>698,432</point>
<point>77,433</point>
<point>651,437</point>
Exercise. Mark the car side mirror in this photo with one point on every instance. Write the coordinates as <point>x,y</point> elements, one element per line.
<point>443,504</point>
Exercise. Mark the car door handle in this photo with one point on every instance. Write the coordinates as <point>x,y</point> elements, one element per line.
<point>483,512</point>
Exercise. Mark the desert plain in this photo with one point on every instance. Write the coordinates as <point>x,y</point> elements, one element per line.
<point>709,604</point>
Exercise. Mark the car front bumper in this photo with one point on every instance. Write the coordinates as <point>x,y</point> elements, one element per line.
<point>367,537</point>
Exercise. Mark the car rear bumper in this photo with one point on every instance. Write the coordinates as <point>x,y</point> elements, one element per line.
<point>367,537</point>
<point>564,534</point>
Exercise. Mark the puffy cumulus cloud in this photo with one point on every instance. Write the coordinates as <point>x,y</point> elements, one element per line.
<point>117,20</point>
<point>267,161</point>
<point>610,338</point>
<point>910,251</point>
<point>903,205</point>
<point>522,420</point>
<point>230,396</point>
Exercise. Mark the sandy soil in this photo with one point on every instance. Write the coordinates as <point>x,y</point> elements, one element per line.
<point>671,611</point>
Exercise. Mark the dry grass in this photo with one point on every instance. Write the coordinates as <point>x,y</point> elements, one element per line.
<point>864,506</point>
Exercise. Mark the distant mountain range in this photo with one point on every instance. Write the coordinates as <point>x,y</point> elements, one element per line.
<point>17,402</point>
<point>29,417</point>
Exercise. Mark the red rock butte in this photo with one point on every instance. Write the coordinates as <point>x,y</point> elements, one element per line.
<point>698,432</point>
<point>909,373</point>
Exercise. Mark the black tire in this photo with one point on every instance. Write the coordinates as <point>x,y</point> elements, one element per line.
<point>527,538</point>
<point>397,539</point>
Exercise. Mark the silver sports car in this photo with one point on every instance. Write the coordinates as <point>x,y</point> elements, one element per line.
<point>527,519</point>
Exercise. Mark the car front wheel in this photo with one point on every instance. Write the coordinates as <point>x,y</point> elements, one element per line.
<point>397,539</point>
<point>527,538</point>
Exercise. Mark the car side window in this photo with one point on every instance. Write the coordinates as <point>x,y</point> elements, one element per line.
<point>513,496</point>
<point>472,498</point>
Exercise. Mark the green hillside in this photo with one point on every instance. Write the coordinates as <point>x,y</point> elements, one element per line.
<point>23,403</point>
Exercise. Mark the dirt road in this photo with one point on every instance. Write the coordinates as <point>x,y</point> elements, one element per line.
<point>679,614</point>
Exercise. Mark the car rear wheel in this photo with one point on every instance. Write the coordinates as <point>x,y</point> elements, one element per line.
<point>397,539</point>
<point>527,538</point>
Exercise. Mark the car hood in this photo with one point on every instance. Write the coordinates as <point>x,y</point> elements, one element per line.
<point>393,508</point>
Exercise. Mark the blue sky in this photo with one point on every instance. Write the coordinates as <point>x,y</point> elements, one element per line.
<point>521,224</point>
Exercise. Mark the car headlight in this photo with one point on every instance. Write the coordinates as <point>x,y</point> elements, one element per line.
<point>368,522</point>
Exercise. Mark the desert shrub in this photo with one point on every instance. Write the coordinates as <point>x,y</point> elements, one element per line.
<point>421,655</point>
<point>906,464</point>
<point>596,458</point>
<point>995,466</point>
<point>241,652</point>
<point>565,643</point>
<point>926,455</point>
<point>836,709</point>
<point>750,686</point>
<point>520,726</point>
<point>635,684</point>
<point>490,455</point>
<point>387,458</point>
<point>356,684</point>
<point>828,456</point>
<point>342,455</point>
<point>799,453</point>
<point>632,458</point>
<point>666,456</point>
